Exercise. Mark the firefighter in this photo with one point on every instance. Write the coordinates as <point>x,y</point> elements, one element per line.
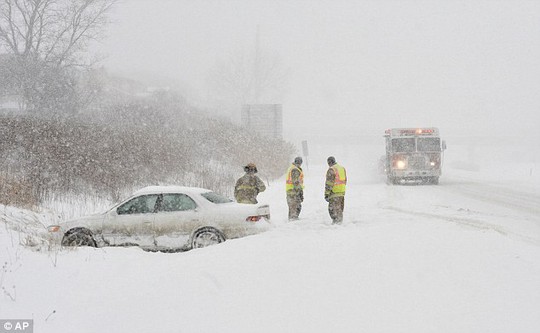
<point>334,190</point>
<point>248,186</point>
<point>294,186</point>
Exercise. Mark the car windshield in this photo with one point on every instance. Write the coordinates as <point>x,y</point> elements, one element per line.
<point>429,144</point>
<point>216,198</point>
<point>405,145</point>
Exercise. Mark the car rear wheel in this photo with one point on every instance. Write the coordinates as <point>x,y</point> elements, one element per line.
<point>78,237</point>
<point>206,236</point>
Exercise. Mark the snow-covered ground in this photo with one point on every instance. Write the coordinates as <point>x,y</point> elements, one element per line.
<point>463,256</point>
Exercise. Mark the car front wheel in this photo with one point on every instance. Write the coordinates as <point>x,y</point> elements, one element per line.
<point>206,236</point>
<point>78,237</point>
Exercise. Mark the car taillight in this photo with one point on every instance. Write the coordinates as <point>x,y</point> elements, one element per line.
<point>253,218</point>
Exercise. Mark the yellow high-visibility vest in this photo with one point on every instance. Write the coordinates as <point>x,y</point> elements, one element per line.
<point>341,179</point>
<point>289,182</point>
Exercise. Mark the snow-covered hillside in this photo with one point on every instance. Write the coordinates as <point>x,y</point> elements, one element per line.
<point>463,256</point>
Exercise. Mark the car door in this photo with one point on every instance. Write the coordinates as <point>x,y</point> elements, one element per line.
<point>132,223</point>
<point>177,216</point>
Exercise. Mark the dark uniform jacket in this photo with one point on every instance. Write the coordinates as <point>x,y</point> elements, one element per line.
<point>247,188</point>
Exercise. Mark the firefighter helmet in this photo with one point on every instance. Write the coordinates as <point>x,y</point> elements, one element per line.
<point>251,167</point>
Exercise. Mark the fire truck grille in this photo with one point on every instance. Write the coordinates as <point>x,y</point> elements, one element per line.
<point>417,162</point>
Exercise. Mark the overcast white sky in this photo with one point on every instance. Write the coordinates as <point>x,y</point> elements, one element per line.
<point>463,66</point>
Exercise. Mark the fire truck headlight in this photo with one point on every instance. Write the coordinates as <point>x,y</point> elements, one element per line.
<point>400,164</point>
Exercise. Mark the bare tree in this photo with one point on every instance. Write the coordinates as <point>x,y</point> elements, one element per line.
<point>247,78</point>
<point>46,41</point>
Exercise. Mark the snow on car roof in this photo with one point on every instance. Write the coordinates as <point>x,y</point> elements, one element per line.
<point>170,189</point>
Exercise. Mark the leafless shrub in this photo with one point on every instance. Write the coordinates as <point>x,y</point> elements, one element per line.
<point>128,147</point>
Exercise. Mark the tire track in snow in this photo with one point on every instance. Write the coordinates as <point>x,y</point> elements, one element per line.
<point>478,224</point>
<point>498,195</point>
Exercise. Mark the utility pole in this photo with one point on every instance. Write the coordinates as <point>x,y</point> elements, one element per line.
<point>257,68</point>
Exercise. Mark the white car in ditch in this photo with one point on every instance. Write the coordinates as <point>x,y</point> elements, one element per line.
<point>166,218</point>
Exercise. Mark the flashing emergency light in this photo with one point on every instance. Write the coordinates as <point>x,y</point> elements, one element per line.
<point>424,131</point>
<point>418,131</point>
<point>393,132</point>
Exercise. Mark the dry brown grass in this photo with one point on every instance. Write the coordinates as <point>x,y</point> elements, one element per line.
<point>16,192</point>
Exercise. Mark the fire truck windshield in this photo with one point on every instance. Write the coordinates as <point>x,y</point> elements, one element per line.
<point>403,145</point>
<point>409,145</point>
<point>429,144</point>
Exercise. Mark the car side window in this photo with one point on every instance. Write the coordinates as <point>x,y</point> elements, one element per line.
<point>143,204</point>
<point>175,202</point>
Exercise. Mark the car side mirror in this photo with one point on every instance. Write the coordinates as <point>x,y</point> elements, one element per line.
<point>443,145</point>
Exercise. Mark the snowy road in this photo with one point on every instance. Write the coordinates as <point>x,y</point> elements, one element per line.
<point>510,208</point>
<point>463,256</point>
<point>476,204</point>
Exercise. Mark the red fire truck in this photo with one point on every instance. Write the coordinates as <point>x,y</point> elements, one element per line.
<point>413,155</point>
